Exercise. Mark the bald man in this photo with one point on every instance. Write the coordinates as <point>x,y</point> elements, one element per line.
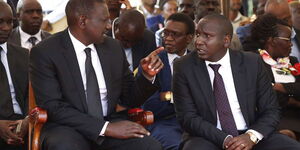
<point>136,40</point>
<point>29,33</point>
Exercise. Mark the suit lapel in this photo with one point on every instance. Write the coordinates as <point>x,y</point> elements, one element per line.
<point>201,74</point>
<point>70,56</point>
<point>105,60</point>
<point>239,74</point>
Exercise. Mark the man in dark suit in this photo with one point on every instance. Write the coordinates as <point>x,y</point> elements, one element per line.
<point>28,34</point>
<point>13,86</point>
<point>224,98</point>
<point>136,40</point>
<point>178,33</point>
<point>79,76</point>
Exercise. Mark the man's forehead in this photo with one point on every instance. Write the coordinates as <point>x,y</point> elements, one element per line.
<point>5,11</point>
<point>211,25</point>
<point>31,4</point>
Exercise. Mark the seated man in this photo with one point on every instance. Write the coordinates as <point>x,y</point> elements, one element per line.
<point>79,76</point>
<point>224,98</point>
<point>178,33</point>
<point>28,33</point>
<point>13,86</point>
<point>136,40</point>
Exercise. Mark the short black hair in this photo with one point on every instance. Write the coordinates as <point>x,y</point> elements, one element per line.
<point>264,27</point>
<point>223,22</point>
<point>180,17</point>
<point>76,8</point>
<point>132,17</point>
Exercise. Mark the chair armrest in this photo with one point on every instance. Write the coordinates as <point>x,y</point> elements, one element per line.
<point>37,118</point>
<point>140,116</point>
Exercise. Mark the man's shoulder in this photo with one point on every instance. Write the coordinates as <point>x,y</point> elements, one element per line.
<point>15,31</point>
<point>14,35</point>
<point>54,40</point>
<point>188,59</point>
<point>244,55</point>
<point>17,49</point>
<point>45,34</point>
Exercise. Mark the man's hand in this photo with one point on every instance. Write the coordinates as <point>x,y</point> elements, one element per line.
<point>279,87</point>
<point>125,129</point>
<point>152,64</point>
<point>241,142</point>
<point>24,127</point>
<point>6,132</point>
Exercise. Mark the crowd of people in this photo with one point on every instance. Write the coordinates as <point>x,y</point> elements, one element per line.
<point>212,81</point>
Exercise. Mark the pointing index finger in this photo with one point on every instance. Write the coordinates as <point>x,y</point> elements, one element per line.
<point>157,51</point>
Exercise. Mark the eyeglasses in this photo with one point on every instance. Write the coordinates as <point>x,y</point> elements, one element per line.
<point>173,34</point>
<point>283,38</point>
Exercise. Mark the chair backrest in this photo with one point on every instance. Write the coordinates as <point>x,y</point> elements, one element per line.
<point>37,117</point>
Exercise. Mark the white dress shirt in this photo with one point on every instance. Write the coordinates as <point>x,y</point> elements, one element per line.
<point>4,61</point>
<point>226,73</point>
<point>128,52</point>
<point>295,49</point>
<point>172,57</point>
<point>81,56</point>
<point>25,36</point>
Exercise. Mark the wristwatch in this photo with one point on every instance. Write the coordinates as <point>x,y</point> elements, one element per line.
<point>253,138</point>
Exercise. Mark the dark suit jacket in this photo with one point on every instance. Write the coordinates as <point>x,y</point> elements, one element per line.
<point>15,37</point>
<point>17,58</point>
<point>195,104</point>
<point>143,48</point>
<point>59,89</point>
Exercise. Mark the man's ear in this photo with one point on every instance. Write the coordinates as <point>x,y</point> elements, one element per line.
<point>18,16</point>
<point>82,21</point>
<point>227,40</point>
<point>189,38</point>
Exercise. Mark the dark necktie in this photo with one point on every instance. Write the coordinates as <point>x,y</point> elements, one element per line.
<point>6,106</point>
<point>32,40</point>
<point>223,107</point>
<point>92,88</point>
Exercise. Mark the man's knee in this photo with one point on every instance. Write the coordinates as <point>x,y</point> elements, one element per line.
<point>196,143</point>
<point>270,143</point>
<point>151,143</point>
<point>63,138</point>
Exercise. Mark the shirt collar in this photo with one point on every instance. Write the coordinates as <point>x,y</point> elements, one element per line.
<point>25,36</point>
<point>171,57</point>
<point>78,46</point>
<point>238,17</point>
<point>225,61</point>
<point>4,47</point>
